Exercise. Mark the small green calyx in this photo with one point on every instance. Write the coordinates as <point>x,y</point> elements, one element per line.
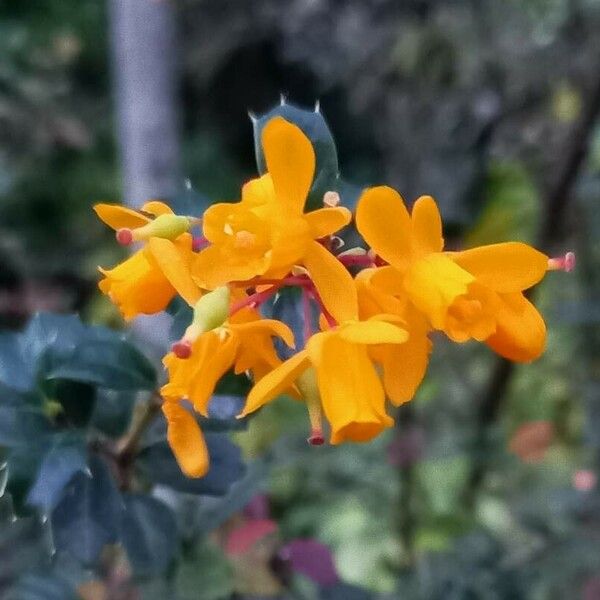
<point>167,226</point>
<point>210,312</point>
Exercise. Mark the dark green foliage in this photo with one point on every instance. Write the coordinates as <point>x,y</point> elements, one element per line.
<point>67,395</point>
<point>42,587</point>
<point>149,534</point>
<point>88,516</point>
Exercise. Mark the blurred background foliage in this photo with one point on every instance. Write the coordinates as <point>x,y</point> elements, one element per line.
<point>487,487</point>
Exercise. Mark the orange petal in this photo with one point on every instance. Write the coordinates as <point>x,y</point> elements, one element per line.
<point>157,208</point>
<point>507,267</point>
<point>426,227</point>
<point>137,285</point>
<point>520,331</point>
<point>269,326</point>
<point>175,264</point>
<point>333,282</point>
<point>384,223</point>
<point>404,365</point>
<point>325,221</point>
<point>276,382</point>
<point>259,191</point>
<point>186,440</point>
<point>351,392</point>
<point>211,268</point>
<point>290,161</point>
<point>215,218</point>
<point>433,283</point>
<point>118,217</point>
<point>218,357</point>
<point>373,332</point>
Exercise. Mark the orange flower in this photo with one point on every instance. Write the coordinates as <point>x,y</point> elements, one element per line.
<point>213,344</point>
<point>471,294</point>
<point>403,365</point>
<point>334,372</point>
<point>138,284</point>
<point>267,233</point>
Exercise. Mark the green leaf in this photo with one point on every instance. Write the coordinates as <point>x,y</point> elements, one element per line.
<point>66,458</point>
<point>112,411</point>
<point>20,424</point>
<point>314,126</point>
<point>22,547</point>
<point>87,518</point>
<point>42,587</point>
<point>23,466</point>
<point>149,534</point>
<point>158,464</point>
<point>111,363</point>
<point>15,370</point>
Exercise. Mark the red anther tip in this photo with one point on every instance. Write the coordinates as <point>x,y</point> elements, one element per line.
<point>316,438</point>
<point>569,261</point>
<point>197,243</point>
<point>182,349</point>
<point>124,236</point>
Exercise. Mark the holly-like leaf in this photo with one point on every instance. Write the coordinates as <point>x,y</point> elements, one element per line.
<point>112,411</point>
<point>66,458</point>
<point>88,516</point>
<point>109,362</point>
<point>314,126</point>
<point>149,534</point>
<point>22,547</point>
<point>42,587</point>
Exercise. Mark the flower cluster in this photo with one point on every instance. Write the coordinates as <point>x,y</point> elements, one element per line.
<point>377,306</point>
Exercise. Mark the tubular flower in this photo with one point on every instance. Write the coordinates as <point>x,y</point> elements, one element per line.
<point>267,233</point>
<point>404,365</point>
<point>243,344</point>
<point>138,285</point>
<point>336,375</point>
<point>476,293</point>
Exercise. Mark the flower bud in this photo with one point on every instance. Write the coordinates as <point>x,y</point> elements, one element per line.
<point>210,312</point>
<point>166,226</point>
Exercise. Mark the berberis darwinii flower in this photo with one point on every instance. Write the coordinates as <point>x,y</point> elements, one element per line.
<point>367,312</point>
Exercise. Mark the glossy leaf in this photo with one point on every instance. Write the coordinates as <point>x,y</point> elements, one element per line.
<point>87,517</point>
<point>60,465</point>
<point>42,587</point>
<point>112,363</point>
<point>149,534</point>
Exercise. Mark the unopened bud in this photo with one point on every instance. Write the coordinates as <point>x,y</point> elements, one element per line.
<point>210,312</point>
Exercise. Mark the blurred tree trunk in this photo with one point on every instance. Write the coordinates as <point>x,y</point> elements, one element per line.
<point>145,78</point>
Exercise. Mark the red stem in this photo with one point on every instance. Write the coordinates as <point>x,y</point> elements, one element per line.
<point>256,299</point>
<point>308,330</point>
<point>356,259</point>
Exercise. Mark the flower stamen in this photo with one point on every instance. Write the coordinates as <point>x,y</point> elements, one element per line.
<point>562,263</point>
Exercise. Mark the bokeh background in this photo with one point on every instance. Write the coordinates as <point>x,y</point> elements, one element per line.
<point>487,486</point>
